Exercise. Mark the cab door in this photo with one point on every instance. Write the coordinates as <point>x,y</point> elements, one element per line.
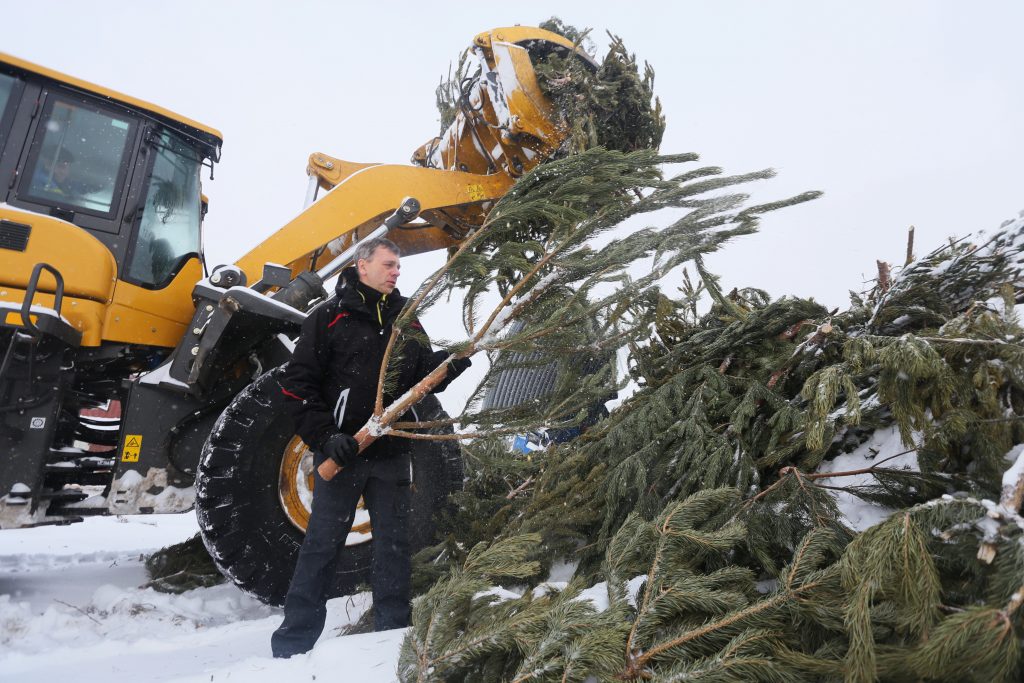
<point>72,156</point>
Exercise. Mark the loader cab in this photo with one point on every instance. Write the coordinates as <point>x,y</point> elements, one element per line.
<point>125,171</point>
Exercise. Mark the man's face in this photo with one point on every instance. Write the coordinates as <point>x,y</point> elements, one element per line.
<point>380,271</point>
<point>61,171</point>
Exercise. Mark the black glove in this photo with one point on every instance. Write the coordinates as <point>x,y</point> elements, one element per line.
<point>342,449</point>
<point>458,366</point>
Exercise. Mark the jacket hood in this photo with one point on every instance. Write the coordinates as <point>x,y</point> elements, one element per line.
<point>349,278</point>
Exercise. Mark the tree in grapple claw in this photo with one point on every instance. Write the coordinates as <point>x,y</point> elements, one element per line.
<point>612,106</point>
<point>608,104</point>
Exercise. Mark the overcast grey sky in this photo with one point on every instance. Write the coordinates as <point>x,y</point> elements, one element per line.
<point>903,113</point>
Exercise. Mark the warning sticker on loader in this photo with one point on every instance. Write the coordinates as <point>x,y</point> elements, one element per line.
<point>132,446</point>
<point>476,192</point>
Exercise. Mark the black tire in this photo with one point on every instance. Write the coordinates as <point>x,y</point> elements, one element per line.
<point>241,518</point>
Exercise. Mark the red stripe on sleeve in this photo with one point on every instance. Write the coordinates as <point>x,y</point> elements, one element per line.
<point>290,394</point>
<point>343,314</point>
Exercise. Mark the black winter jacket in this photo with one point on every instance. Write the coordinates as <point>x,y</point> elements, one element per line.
<point>331,380</point>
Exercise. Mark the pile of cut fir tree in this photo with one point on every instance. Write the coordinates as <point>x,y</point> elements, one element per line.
<point>790,494</point>
<point>702,514</point>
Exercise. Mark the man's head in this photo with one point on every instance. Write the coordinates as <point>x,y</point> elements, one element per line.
<point>377,264</point>
<point>62,166</point>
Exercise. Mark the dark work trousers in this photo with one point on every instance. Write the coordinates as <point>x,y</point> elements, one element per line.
<point>384,484</point>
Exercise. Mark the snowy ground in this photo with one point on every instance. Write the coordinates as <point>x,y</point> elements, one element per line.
<point>72,608</point>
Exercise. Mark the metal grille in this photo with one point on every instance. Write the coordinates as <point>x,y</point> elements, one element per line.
<point>518,385</point>
<point>14,236</point>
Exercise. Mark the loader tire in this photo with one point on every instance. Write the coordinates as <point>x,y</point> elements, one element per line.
<point>252,535</point>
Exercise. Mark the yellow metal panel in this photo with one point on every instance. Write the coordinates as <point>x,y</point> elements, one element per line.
<point>84,315</point>
<point>88,267</point>
<point>522,34</point>
<point>330,170</point>
<point>532,113</point>
<point>156,317</point>
<point>363,200</point>
<point>78,83</point>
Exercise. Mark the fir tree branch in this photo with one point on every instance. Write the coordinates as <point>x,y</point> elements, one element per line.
<point>971,342</point>
<point>637,662</point>
<point>453,437</point>
<point>794,569</point>
<point>423,654</point>
<point>865,470</point>
<point>785,472</point>
<point>997,420</point>
<point>485,328</point>
<point>609,342</point>
<point>711,284</point>
<point>519,489</point>
<point>648,590</point>
<point>430,424</point>
<point>813,476</point>
<point>1016,600</point>
<point>814,339</point>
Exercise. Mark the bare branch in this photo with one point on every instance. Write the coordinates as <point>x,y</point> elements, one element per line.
<point>1013,492</point>
<point>883,276</point>
<point>512,293</point>
<point>970,342</point>
<point>378,404</point>
<point>82,610</point>
<point>519,489</point>
<point>453,437</point>
<point>430,424</point>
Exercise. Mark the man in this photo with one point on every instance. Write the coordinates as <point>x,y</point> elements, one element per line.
<point>53,176</point>
<point>331,386</point>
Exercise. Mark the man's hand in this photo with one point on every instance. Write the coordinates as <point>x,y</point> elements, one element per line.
<point>342,449</point>
<point>455,367</point>
<point>459,365</point>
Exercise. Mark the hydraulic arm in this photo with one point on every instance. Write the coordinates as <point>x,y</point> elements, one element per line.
<point>504,127</point>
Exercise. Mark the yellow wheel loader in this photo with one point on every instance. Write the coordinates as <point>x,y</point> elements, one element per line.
<point>106,304</point>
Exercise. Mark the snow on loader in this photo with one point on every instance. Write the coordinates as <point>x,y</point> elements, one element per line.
<point>106,304</point>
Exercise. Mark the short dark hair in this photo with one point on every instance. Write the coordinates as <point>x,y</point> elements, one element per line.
<point>366,250</point>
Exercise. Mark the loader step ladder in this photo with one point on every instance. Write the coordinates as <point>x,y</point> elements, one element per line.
<point>36,323</point>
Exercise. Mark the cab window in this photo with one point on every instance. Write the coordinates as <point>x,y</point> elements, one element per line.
<point>168,231</point>
<point>78,158</point>
<point>6,88</point>
<point>7,84</point>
